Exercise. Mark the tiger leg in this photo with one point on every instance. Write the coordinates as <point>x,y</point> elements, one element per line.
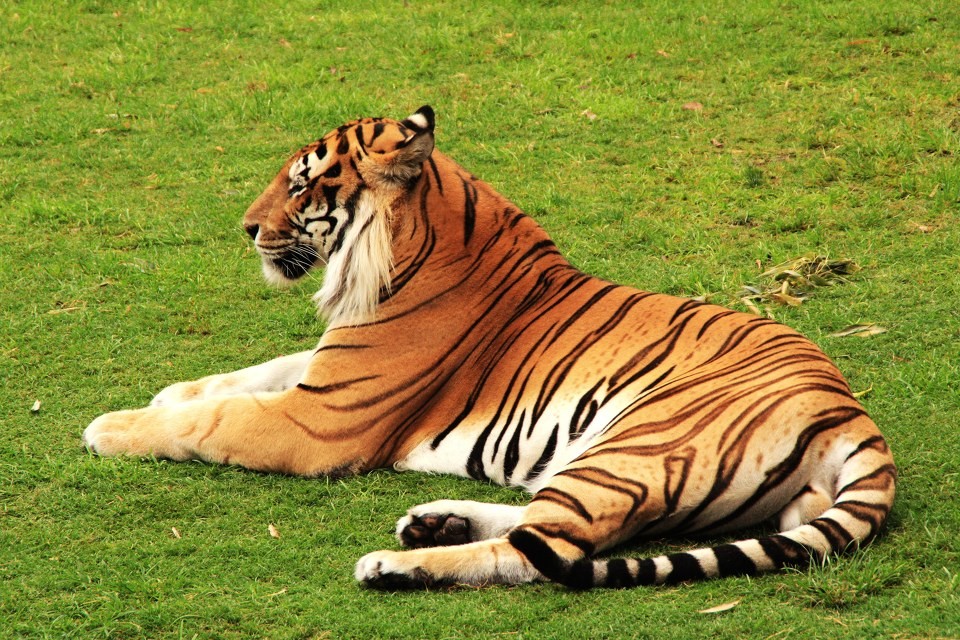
<point>450,522</point>
<point>558,518</point>
<point>493,561</point>
<point>278,374</point>
<point>807,505</point>
<point>264,432</point>
<point>593,505</point>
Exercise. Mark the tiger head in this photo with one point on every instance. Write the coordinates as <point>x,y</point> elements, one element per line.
<point>330,205</point>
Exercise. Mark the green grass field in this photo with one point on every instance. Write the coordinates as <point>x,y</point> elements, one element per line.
<point>680,147</point>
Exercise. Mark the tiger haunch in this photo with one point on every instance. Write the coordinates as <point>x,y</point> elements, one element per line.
<point>461,341</point>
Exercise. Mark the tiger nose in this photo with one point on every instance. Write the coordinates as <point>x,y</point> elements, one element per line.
<point>252,230</point>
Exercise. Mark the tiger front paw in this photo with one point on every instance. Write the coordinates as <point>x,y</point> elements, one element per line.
<point>144,432</point>
<point>387,570</point>
<point>110,434</point>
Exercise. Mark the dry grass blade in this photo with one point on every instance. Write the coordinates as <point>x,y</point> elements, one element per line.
<point>859,330</point>
<point>720,608</point>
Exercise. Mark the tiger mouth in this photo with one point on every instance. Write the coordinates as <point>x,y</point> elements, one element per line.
<point>296,262</point>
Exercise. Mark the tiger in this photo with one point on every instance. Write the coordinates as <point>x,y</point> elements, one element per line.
<point>459,340</point>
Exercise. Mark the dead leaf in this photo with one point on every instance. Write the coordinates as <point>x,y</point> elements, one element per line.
<point>285,43</point>
<point>787,299</point>
<point>661,52</point>
<point>175,532</point>
<point>185,29</point>
<point>273,531</point>
<point>720,608</point>
<point>692,106</point>
<point>717,143</point>
<point>792,282</point>
<point>204,90</point>
<point>219,148</point>
<point>859,330</point>
<point>100,132</point>
<point>36,407</point>
<point>590,115</point>
<point>749,304</point>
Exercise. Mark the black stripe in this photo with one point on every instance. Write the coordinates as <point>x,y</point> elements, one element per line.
<point>636,491</point>
<point>469,210</point>
<point>336,386</point>
<point>835,533</point>
<point>557,532</point>
<point>330,195</point>
<point>586,403</point>
<point>579,576</point>
<point>683,308</point>
<point>538,552</point>
<point>685,568</point>
<point>709,323</point>
<point>436,174</point>
<point>618,574</point>
<point>545,457</point>
<point>732,561</point>
<point>885,470</point>
<point>647,573</point>
<point>564,499</point>
<point>874,514</point>
<point>321,151</point>
<point>869,443</point>
<point>333,171</point>
<point>785,552</point>
<point>331,347</point>
<point>512,455</point>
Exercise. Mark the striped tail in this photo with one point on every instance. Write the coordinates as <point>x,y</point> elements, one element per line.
<point>858,513</point>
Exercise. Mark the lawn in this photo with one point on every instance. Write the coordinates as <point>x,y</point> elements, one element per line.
<point>679,147</point>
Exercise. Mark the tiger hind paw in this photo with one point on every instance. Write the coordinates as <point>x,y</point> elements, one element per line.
<point>433,530</point>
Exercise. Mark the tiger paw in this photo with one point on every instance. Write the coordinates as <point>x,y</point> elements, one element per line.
<point>143,432</point>
<point>110,434</point>
<point>385,570</point>
<point>432,530</point>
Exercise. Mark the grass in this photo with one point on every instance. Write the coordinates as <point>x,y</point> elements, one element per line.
<point>133,135</point>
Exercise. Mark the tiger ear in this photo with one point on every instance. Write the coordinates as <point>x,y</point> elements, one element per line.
<point>423,119</point>
<point>419,143</point>
<point>405,162</point>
